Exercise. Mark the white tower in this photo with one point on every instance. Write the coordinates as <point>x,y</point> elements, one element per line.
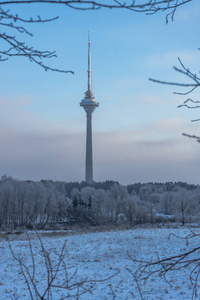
<point>89,104</point>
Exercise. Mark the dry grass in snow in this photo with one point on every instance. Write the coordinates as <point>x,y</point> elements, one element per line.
<point>93,257</point>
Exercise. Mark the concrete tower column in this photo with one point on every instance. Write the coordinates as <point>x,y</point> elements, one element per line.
<point>89,158</point>
<point>89,104</point>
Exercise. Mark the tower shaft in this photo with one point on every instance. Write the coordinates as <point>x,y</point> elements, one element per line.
<point>89,156</point>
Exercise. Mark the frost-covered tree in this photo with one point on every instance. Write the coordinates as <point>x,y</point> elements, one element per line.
<point>167,202</point>
<point>98,208</point>
<point>185,205</point>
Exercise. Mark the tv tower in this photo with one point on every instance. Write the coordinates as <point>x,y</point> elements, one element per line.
<point>89,104</point>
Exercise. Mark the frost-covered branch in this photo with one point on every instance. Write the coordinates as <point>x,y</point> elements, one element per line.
<point>191,86</point>
<point>56,274</point>
<point>162,266</point>
<point>148,6</point>
<point>186,72</point>
<point>15,47</point>
<point>192,136</point>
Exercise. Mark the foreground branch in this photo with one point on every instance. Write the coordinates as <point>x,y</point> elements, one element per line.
<point>186,72</point>
<point>19,48</point>
<point>189,260</point>
<point>57,275</point>
<point>192,136</point>
<point>148,6</point>
<point>189,103</point>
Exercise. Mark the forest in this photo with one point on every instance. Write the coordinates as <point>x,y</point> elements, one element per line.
<point>55,205</point>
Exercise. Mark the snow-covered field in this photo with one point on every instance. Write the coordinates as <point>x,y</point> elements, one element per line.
<point>98,256</point>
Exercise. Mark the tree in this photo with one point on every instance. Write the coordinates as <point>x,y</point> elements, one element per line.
<point>167,202</point>
<point>184,206</point>
<point>12,24</point>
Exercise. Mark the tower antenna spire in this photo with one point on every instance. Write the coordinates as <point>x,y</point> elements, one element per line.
<point>89,64</point>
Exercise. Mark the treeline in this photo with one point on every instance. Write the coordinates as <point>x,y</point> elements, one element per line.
<point>48,204</point>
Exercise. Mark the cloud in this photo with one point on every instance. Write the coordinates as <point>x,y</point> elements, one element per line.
<point>123,156</point>
<point>165,60</point>
<point>42,156</point>
<point>188,15</point>
<point>146,99</point>
<point>35,148</point>
<point>131,161</point>
<point>128,82</point>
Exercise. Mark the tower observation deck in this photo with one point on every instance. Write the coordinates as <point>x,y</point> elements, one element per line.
<point>89,104</point>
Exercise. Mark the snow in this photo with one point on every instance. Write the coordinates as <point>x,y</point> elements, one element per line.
<point>97,256</point>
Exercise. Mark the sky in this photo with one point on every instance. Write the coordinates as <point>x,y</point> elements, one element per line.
<point>137,129</point>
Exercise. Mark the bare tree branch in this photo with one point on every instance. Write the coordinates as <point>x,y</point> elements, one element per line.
<point>136,281</point>
<point>189,106</point>
<point>185,71</point>
<point>192,136</point>
<point>192,86</point>
<point>73,286</point>
<point>18,48</point>
<point>162,267</point>
<point>151,6</point>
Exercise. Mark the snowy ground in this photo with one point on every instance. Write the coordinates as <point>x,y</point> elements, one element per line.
<point>98,256</point>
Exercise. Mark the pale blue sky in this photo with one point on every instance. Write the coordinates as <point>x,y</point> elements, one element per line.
<point>137,128</point>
